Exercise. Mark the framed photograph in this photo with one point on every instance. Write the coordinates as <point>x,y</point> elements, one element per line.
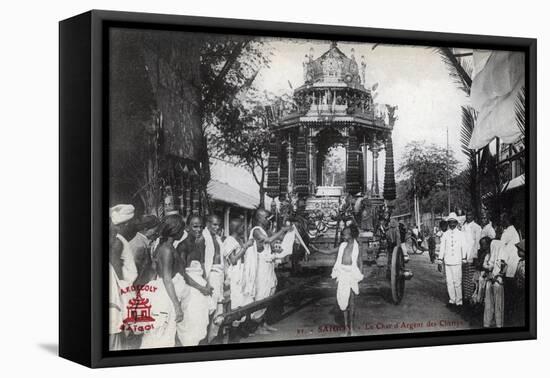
<point>234,188</point>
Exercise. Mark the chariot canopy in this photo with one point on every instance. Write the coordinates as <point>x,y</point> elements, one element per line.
<point>333,106</point>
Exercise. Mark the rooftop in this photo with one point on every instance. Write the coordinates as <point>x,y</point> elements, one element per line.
<point>333,69</point>
<point>219,191</point>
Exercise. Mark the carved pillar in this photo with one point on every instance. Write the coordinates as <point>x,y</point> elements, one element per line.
<point>375,149</point>
<point>290,164</point>
<point>389,175</point>
<point>273,163</point>
<point>364,150</point>
<point>301,179</point>
<point>312,162</point>
<point>283,170</point>
<point>319,162</point>
<point>353,181</point>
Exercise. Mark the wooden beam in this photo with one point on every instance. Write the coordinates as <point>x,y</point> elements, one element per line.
<point>228,317</point>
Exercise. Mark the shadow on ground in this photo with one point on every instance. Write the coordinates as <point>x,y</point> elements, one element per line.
<point>51,348</point>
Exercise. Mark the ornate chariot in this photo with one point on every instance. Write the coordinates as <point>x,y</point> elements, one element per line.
<point>334,107</point>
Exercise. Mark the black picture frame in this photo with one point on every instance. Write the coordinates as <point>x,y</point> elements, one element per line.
<point>83,196</point>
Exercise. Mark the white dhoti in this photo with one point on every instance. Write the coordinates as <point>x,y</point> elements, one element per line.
<point>214,275</point>
<point>348,280</point>
<point>266,279</point>
<point>266,284</point>
<point>215,280</point>
<point>494,304</point>
<point>234,276</point>
<point>287,245</point>
<point>116,308</point>
<point>250,269</point>
<point>453,274</point>
<point>237,296</point>
<point>479,292</point>
<point>116,302</point>
<point>116,341</point>
<point>236,289</point>
<point>347,276</point>
<point>163,335</point>
<point>195,307</point>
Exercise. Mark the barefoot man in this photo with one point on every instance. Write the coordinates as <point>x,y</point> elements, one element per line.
<point>214,268</point>
<point>347,272</point>
<point>234,249</point>
<point>266,280</point>
<point>168,286</point>
<point>196,302</point>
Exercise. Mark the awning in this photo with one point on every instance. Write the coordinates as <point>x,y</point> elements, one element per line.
<point>219,191</point>
<point>499,77</point>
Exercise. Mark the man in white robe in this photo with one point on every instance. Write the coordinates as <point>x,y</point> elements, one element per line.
<point>493,313</point>
<point>488,230</point>
<point>472,231</point>
<point>215,270</point>
<point>116,314</point>
<point>197,298</point>
<point>234,250</point>
<point>266,279</point>
<point>195,307</point>
<point>453,253</point>
<point>472,234</point>
<point>510,237</point>
<point>122,270</point>
<point>347,272</point>
<point>165,288</point>
<point>162,309</point>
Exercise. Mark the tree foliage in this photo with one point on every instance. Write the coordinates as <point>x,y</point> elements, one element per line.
<point>460,70</point>
<point>229,66</point>
<point>426,167</point>
<point>495,176</point>
<point>166,89</point>
<point>235,121</point>
<point>335,167</point>
<point>471,174</point>
<point>135,135</point>
<point>244,139</point>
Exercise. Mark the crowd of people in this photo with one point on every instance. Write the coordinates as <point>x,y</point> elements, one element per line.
<point>171,278</point>
<point>484,268</point>
<point>168,278</point>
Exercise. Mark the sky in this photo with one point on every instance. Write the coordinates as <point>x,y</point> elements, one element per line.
<point>414,78</point>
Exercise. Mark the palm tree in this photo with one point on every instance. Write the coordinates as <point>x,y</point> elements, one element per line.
<point>460,70</point>
<point>483,175</point>
<point>471,172</point>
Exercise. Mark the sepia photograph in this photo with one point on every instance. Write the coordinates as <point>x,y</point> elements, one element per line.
<point>267,189</point>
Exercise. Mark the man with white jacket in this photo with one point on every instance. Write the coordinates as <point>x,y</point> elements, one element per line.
<point>453,251</point>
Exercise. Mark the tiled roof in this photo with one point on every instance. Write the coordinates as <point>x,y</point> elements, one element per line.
<point>219,191</point>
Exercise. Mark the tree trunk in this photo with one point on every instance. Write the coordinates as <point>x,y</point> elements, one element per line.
<point>262,197</point>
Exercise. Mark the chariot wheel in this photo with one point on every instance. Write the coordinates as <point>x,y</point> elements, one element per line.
<point>397,270</point>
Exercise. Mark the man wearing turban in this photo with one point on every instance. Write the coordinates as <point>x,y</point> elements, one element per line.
<point>122,269</point>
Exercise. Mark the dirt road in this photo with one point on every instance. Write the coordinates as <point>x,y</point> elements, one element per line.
<point>423,309</point>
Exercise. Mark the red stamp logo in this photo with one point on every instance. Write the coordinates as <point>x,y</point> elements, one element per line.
<point>138,311</point>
